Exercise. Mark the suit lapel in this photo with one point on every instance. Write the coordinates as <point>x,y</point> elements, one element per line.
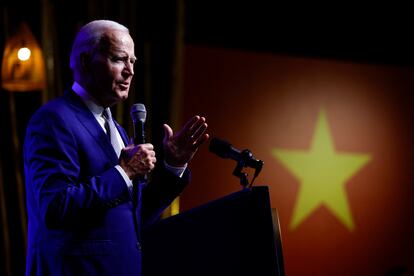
<point>86,118</point>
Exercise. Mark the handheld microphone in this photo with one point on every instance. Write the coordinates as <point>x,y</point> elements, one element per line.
<point>227,151</point>
<point>139,115</point>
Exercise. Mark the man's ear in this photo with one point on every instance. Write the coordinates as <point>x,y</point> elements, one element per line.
<point>85,62</point>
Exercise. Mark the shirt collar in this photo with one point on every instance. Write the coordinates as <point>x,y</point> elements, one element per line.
<point>87,99</point>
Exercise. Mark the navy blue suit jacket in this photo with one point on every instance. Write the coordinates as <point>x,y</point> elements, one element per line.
<point>83,220</point>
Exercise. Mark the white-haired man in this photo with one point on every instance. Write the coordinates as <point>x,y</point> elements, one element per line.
<point>85,210</point>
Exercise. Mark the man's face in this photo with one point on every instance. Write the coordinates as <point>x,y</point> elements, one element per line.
<point>112,68</point>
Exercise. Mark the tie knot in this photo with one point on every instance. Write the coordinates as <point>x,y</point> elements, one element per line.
<point>106,113</point>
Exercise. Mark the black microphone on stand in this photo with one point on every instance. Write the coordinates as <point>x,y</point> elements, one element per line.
<point>225,150</point>
<point>244,158</point>
<point>139,115</point>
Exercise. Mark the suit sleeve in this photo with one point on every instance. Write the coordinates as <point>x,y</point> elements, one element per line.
<point>160,192</point>
<point>55,183</point>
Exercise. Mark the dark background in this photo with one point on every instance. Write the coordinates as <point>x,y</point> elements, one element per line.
<point>358,33</point>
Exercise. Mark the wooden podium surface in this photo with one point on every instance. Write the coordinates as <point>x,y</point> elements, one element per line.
<point>233,235</point>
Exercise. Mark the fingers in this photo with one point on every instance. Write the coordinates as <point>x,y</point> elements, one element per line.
<point>138,160</point>
<point>191,122</point>
<point>191,130</point>
<point>201,140</point>
<point>146,163</point>
<point>198,123</point>
<point>145,157</point>
<point>198,131</point>
<point>147,146</point>
<point>168,133</point>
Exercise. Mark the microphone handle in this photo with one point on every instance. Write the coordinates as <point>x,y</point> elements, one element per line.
<point>139,138</point>
<point>139,133</point>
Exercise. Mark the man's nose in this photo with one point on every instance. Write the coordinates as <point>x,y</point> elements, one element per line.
<point>129,68</point>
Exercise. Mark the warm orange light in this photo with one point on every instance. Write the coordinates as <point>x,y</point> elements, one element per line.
<point>23,67</point>
<point>24,54</point>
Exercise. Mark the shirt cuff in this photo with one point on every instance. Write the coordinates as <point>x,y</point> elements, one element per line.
<point>128,181</point>
<point>178,171</point>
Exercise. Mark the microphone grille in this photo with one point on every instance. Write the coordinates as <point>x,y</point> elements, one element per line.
<point>138,112</point>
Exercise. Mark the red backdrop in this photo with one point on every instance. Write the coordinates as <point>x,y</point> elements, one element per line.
<point>269,103</point>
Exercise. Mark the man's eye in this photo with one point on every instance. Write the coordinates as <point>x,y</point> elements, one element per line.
<point>117,59</point>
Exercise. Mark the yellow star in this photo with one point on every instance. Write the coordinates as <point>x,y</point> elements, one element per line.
<point>322,173</point>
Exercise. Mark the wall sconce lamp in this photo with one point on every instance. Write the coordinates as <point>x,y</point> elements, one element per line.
<point>23,70</point>
<point>23,66</point>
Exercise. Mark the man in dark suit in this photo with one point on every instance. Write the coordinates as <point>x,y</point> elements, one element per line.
<point>85,206</point>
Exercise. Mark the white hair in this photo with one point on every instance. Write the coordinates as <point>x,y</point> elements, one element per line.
<point>88,38</point>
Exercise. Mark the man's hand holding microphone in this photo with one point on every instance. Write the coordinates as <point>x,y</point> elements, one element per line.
<point>138,159</point>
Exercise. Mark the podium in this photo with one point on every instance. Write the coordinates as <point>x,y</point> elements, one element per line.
<point>233,235</point>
